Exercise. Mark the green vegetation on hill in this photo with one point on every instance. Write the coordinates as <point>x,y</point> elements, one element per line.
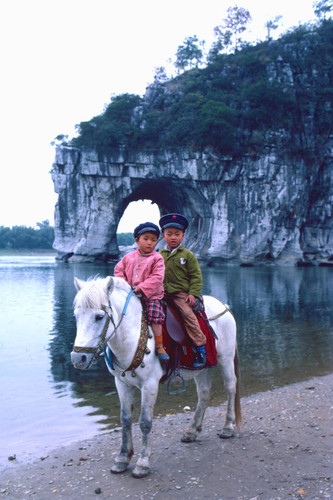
<point>274,93</point>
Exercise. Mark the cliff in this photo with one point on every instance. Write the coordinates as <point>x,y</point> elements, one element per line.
<point>243,148</point>
<point>245,211</point>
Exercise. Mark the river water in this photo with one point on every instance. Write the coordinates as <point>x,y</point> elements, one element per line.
<point>285,334</point>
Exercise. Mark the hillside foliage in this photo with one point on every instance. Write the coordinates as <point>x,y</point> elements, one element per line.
<point>278,92</point>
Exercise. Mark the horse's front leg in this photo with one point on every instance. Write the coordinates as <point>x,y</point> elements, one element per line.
<point>148,399</point>
<point>202,381</point>
<point>125,454</point>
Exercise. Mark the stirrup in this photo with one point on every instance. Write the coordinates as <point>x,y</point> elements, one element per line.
<point>177,391</point>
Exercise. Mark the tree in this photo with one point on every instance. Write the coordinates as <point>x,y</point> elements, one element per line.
<point>60,140</point>
<point>233,26</point>
<point>44,236</point>
<point>322,8</point>
<point>189,54</point>
<point>115,127</point>
<point>22,237</point>
<point>125,239</point>
<point>214,51</point>
<point>273,24</point>
<point>217,124</point>
<point>160,75</point>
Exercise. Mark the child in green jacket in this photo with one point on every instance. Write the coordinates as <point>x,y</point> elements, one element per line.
<point>182,280</point>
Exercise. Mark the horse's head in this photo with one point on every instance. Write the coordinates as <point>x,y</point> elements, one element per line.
<point>93,314</point>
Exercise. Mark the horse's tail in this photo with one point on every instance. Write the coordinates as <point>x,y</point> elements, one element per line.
<point>238,414</point>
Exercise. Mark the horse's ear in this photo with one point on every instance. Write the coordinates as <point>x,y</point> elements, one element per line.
<point>78,284</point>
<point>109,285</point>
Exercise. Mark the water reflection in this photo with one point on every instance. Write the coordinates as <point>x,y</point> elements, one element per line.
<point>284,319</point>
<point>92,388</point>
<point>284,324</point>
<point>64,322</point>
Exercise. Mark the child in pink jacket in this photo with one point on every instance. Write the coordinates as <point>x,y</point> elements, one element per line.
<point>143,269</point>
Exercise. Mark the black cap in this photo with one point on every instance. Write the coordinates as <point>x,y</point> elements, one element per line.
<point>145,228</point>
<point>174,220</point>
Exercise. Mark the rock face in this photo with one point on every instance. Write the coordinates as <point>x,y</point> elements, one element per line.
<point>269,209</point>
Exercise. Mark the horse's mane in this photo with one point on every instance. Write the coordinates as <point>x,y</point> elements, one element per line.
<point>93,294</point>
<point>121,284</point>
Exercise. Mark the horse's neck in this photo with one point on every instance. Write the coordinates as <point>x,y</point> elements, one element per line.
<point>125,340</point>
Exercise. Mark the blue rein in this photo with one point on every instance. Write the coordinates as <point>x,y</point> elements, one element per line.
<point>106,349</point>
<point>127,301</point>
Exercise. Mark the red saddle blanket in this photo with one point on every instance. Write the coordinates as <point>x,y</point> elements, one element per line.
<point>174,333</point>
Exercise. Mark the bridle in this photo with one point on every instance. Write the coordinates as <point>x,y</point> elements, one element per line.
<point>96,351</point>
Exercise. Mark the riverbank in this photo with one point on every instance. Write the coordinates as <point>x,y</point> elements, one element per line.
<point>283,450</point>
<point>20,252</point>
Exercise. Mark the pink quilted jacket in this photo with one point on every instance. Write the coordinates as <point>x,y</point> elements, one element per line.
<point>145,271</point>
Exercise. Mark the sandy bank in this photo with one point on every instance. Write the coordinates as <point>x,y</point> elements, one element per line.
<point>283,451</point>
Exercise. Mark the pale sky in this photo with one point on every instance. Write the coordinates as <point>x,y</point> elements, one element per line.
<point>62,60</point>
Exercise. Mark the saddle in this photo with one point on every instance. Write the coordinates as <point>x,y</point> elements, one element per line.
<point>178,344</point>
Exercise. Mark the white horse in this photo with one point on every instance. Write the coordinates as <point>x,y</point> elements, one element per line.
<point>105,316</point>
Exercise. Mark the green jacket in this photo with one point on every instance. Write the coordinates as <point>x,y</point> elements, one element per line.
<point>182,272</point>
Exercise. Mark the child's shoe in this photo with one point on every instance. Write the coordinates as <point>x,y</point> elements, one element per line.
<point>162,354</point>
<point>159,349</point>
<point>200,357</point>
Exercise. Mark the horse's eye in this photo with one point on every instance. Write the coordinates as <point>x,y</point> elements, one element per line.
<point>98,317</point>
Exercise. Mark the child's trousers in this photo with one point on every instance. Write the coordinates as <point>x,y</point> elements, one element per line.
<point>191,324</point>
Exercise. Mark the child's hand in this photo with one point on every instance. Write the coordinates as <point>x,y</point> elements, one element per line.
<point>190,299</point>
<point>137,290</point>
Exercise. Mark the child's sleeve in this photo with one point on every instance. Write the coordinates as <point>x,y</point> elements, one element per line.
<point>153,284</point>
<point>119,270</point>
<point>195,276</point>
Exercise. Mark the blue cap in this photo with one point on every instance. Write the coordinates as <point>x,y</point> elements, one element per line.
<point>145,228</point>
<point>173,220</point>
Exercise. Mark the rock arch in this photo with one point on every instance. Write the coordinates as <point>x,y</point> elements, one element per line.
<point>93,196</point>
<point>172,195</point>
<point>246,210</point>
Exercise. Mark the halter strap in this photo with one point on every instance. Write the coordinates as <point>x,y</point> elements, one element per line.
<point>100,347</point>
<point>96,351</point>
<point>141,349</point>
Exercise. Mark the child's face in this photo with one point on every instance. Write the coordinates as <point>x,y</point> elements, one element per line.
<point>147,242</point>
<point>173,237</point>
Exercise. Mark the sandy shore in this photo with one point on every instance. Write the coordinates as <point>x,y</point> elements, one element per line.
<point>283,451</point>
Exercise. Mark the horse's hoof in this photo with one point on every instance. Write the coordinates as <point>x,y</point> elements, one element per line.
<point>140,471</point>
<point>226,434</point>
<point>188,438</point>
<point>119,467</point>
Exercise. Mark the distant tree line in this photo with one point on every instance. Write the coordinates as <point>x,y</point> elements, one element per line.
<point>125,239</point>
<point>22,237</point>
<point>42,237</point>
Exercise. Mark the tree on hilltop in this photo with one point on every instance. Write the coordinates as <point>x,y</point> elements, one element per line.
<point>189,54</point>
<point>322,8</point>
<point>229,32</point>
<point>272,24</point>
